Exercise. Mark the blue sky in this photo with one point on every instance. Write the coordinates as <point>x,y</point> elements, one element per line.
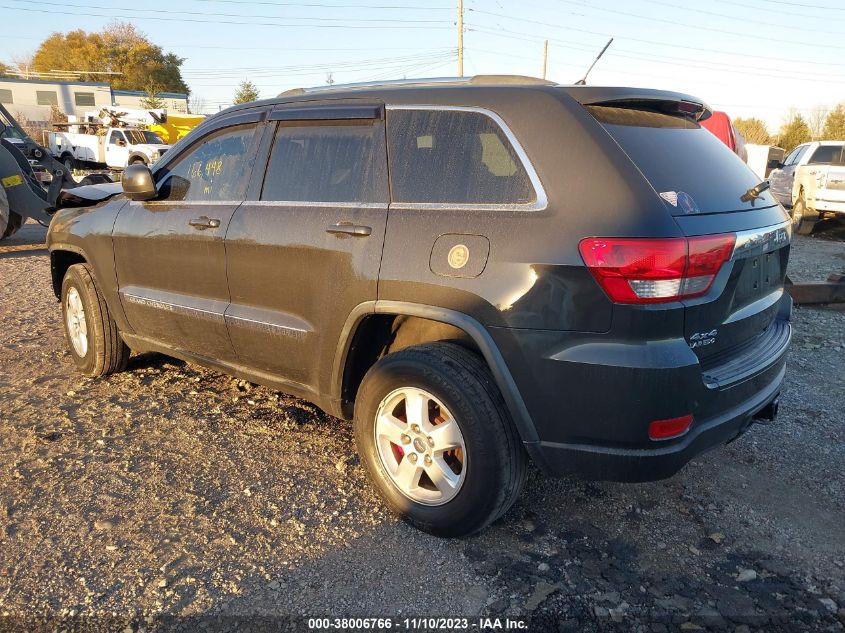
<point>748,57</point>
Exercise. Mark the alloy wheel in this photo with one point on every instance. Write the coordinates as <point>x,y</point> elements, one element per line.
<point>420,445</point>
<point>77,327</point>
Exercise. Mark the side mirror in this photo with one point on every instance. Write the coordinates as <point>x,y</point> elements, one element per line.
<point>774,164</point>
<point>137,181</point>
<point>121,142</point>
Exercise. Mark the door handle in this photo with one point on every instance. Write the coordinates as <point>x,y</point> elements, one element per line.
<point>204,222</point>
<point>347,228</point>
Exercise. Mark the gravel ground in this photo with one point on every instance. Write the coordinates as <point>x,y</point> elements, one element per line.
<point>171,496</point>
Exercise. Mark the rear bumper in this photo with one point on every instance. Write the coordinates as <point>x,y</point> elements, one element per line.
<point>592,402</point>
<point>830,206</point>
<point>635,465</point>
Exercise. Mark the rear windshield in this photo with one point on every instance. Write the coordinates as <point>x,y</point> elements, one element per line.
<point>692,170</point>
<point>828,155</point>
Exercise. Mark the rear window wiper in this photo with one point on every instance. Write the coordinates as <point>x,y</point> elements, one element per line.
<point>752,194</point>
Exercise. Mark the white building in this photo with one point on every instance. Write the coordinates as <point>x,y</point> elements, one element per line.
<point>33,99</point>
<point>173,101</point>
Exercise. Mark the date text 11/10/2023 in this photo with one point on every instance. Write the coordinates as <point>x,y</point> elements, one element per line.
<point>418,624</point>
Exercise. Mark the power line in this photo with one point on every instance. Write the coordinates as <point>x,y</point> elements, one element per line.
<point>662,60</point>
<point>756,22</point>
<point>806,6</point>
<point>330,6</point>
<point>802,14</point>
<point>645,41</point>
<point>666,21</point>
<point>386,67</point>
<point>194,20</point>
<point>376,67</point>
<point>239,15</point>
<point>322,65</point>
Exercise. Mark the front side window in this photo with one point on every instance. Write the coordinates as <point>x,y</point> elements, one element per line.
<point>213,169</point>
<point>46,98</point>
<point>116,138</point>
<point>327,161</point>
<point>791,156</point>
<point>453,156</point>
<point>798,154</point>
<point>140,137</point>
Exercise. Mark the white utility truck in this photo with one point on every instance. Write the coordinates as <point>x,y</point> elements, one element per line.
<point>91,144</point>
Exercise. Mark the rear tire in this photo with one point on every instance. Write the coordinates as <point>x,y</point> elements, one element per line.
<point>489,464</point>
<point>70,163</point>
<point>803,219</point>
<point>92,335</point>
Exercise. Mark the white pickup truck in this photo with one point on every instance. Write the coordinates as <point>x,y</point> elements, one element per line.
<point>811,181</point>
<point>114,148</point>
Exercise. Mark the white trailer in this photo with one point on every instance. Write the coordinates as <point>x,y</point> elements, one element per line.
<point>761,157</point>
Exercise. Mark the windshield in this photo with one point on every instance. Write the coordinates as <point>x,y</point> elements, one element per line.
<point>138,137</point>
<point>687,165</point>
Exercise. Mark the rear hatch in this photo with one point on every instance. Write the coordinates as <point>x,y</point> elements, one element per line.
<point>704,186</point>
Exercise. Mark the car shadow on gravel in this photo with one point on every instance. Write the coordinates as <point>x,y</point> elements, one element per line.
<point>24,252</point>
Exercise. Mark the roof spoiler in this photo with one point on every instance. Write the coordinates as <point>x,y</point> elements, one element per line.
<point>673,103</point>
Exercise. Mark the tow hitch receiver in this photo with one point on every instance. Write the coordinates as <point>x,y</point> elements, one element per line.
<point>769,412</point>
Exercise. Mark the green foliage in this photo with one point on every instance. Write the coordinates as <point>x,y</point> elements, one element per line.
<point>246,92</point>
<point>753,130</point>
<point>794,132</point>
<point>119,48</point>
<point>152,101</point>
<point>834,125</point>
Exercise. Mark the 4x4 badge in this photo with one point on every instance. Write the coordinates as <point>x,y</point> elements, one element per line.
<point>458,256</point>
<point>700,339</point>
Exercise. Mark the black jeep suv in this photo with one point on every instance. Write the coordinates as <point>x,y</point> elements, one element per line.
<point>478,272</point>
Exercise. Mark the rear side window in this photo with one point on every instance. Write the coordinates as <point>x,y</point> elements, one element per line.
<point>692,169</point>
<point>213,169</point>
<point>453,156</point>
<point>327,161</point>
<point>827,155</point>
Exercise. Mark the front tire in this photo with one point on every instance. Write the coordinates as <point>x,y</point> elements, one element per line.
<point>70,163</point>
<point>92,336</point>
<point>436,438</point>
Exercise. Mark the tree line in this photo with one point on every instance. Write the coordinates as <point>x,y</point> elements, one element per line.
<point>796,129</point>
<point>120,54</point>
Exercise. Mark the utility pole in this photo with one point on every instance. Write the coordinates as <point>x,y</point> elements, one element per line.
<point>460,38</point>
<point>545,57</point>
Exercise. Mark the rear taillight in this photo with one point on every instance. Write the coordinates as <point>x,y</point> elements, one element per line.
<point>641,270</point>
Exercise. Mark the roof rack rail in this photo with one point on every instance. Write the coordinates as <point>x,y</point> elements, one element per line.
<point>481,80</point>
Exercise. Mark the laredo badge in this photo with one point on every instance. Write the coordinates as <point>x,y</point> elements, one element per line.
<point>700,339</point>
